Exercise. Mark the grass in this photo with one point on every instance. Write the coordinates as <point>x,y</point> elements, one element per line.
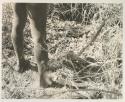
<point>100,78</point>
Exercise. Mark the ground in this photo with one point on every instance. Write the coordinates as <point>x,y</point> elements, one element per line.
<point>94,73</point>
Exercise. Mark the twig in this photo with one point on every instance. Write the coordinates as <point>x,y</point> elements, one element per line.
<point>93,39</point>
<point>75,90</point>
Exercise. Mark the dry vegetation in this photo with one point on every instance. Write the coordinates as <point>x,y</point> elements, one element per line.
<point>85,51</point>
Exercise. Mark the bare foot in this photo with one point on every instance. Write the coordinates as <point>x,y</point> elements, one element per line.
<point>37,83</point>
<point>47,79</point>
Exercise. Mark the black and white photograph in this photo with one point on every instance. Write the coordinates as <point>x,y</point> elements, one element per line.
<point>62,50</point>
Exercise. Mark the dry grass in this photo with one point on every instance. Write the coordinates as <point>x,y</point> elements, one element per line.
<point>101,77</point>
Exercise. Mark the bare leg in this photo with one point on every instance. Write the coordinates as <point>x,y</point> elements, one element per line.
<point>37,13</point>
<point>17,33</point>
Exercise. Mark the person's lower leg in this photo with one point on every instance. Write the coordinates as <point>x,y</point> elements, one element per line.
<point>41,55</point>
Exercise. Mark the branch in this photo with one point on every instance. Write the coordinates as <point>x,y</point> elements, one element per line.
<point>75,90</point>
<point>93,39</point>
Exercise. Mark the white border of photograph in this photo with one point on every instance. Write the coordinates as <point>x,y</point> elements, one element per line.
<point>65,1</point>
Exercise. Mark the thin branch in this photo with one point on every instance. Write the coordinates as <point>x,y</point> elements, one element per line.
<point>75,90</point>
<point>93,39</point>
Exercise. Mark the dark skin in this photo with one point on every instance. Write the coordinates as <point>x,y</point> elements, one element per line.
<point>38,16</point>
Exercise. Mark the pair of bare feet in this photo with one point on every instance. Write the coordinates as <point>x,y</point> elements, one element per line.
<point>45,82</point>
